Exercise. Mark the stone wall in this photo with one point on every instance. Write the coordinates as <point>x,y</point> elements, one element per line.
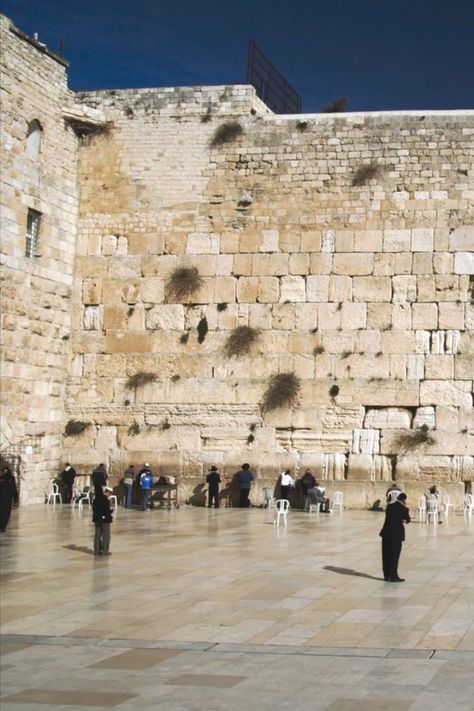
<point>35,291</point>
<point>344,241</point>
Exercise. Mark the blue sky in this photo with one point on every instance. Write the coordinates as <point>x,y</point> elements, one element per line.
<point>380,54</point>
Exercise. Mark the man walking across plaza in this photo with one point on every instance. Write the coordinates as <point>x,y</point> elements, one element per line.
<point>68,476</point>
<point>393,535</point>
<point>8,497</point>
<point>244,478</point>
<point>102,518</point>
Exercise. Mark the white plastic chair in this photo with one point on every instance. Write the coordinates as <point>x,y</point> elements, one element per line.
<point>468,504</point>
<point>268,497</point>
<point>85,497</point>
<point>53,493</point>
<point>281,510</point>
<point>446,505</point>
<point>312,502</point>
<point>422,508</point>
<point>432,510</point>
<point>113,503</point>
<point>393,496</point>
<point>337,500</point>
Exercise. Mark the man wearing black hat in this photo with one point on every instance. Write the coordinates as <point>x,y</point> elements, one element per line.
<point>393,534</point>
<point>213,479</point>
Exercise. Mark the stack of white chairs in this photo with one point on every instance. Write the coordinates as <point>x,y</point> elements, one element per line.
<point>281,511</point>
<point>432,510</point>
<point>268,497</point>
<point>312,502</point>
<point>337,501</point>
<point>422,508</point>
<point>468,504</point>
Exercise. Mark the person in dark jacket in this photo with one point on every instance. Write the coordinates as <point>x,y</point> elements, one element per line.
<point>213,479</point>
<point>102,517</point>
<point>99,478</point>
<point>393,534</point>
<point>68,475</point>
<point>8,497</point>
<point>244,478</point>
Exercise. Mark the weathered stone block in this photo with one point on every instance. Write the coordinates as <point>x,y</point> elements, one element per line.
<point>269,241</point>
<point>353,264</point>
<point>166,316</point>
<point>340,289</point>
<point>439,367</point>
<point>129,342</point>
<point>451,316</point>
<point>461,239</point>
<point>353,316</point>
<point>247,289</point>
<point>396,240</point>
<point>371,288</point>
<point>464,263</point>
<point>268,290</point>
<point>425,316</point>
<point>404,289</point>
<point>442,392</point>
<point>360,466</point>
<point>317,288</point>
<point>387,418</point>
<point>292,288</point>
<point>422,239</point>
<point>368,241</point>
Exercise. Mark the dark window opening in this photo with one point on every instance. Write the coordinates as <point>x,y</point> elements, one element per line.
<point>33,224</point>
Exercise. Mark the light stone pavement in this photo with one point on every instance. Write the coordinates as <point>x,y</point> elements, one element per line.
<point>205,609</point>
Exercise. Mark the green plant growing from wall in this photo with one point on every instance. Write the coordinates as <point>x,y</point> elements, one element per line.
<point>139,380</point>
<point>202,329</point>
<point>175,378</point>
<point>134,429</point>
<point>336,106</point>
<point>76,427</point>
<point>183,282</point>
<point>317,350</point>
<point>240,341</point>
<point>411,440</point>
<point>165,425</point>
<point>283,390</point>
<point>222,306</point>
<point>301,126</point>
<point>226,133</point>
<point>365,173</point>
<point>184,338</point>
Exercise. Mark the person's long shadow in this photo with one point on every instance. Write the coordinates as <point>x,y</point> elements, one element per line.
<point>349,571</point>
<point>82,549</point>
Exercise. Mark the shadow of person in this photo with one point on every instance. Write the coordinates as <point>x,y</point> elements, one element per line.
<point>376,506</point>
<point>81,549</point>
<point>349,571</point>
<point>198,497</point>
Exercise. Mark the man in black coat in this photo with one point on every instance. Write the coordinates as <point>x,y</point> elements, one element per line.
<point>213,479</point>
<point>393,534</point>
<point>68,476</point>
<point>102,517</point>
<point>8,496</point>
<point>99,478</point>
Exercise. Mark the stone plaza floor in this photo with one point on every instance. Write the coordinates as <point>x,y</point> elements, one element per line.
<point>206,609</point>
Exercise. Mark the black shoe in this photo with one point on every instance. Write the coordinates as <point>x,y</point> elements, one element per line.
<point>398,580</point>
<point>388,580</point>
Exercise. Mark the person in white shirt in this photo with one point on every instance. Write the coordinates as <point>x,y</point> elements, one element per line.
<point>286,483</point>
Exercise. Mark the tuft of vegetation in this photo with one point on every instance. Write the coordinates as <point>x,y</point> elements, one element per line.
<point>202,329</point>
<point>301,126</point>
<point>253,427</point>
<point>175,378</point>
<point>134,429</point>
<point>411,440</point>
<point>378,354</point>
<point>66,337</point>
<point>139,380</point>
<point>335,107</point>
<point>318,350</point>
<point>222,307</point>
<point>207,116</point>
<point>282,390</point>
<point>165,425</point>
<point>334,391</point>
<point>126,403</point>
<point>250,439</point>
<point>226,133</point>
<point>240,341</point>
<point>184,338</point>
<point>76,427</point>
<point>184,282</point>
<point>345,354</point>
<point>130,311</point>
<point>367,172</point>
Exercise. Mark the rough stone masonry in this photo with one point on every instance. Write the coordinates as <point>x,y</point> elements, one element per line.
<point>333,251</point>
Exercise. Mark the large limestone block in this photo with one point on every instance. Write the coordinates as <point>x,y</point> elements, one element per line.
<point>353,264</point>
<point>293,289</point>
<point>153,290</point>
<point>269,241</point>
<point>464,263</point>
<point>329,316</point>
<point>462,468</point>
<point>368,241</point>
<point>224,289</point>
<point>247,289</point>
<point>260,264</point>
<point>353,316</point>
<point>91,267</point>
<point>106,438</point>
<point>128,342</point>
<point>451,316</point>
<point>311,241</point>
<point>92,291</point>
<point>268,290</point>
<point>200,243</point>
<point>110,366</point>
<point>365,441</point>
<point>371,288</point>
<point>442,392</point>
<point>387,418</point>
<point>382,393</point>
<point>321,263</point>
<point>464,367</point>
<point>283,317</point>
<point>425,416</point>
<point>299,264</point>
<point>360,466</point>
<point>379,316</point>
<point>439,367</point>
<point>278,264</point>
<point>461,239</point>
<point>166,316</point>
<point>422,239</point>
<point>260,316</point>
<point>124,267</point>
<point>115,318</point>
<point>398,342</point>
<point>109,245</point>
<point>397,240</point>
<point>317,288</point>
<point>401,316</point>
<point>340,288</point>
<point>404,288</point>
<point>306,317</point>
<point>407,467</point>
<point>425,316</point>
<point>382,468</point>
<point>433,468</point>
<point>423,263</point>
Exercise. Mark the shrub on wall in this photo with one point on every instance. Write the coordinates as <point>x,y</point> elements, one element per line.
<point>282,390</point>
<point>226,133</point>
<point>365,173</point>
<point>336,106</point>
<point>76,427</point>
<point>202,329</point>
<point>184,282</point>
<point>139,380</point>
<point>411,440</point>
<point>240,341</point>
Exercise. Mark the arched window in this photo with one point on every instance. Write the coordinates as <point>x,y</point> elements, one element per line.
<point>33,139</point>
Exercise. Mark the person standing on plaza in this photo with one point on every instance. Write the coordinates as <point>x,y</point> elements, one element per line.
<point>102,518</point>
<point>213,479</point>
<point>99,478</point>
<point>244,478</point>
<point>68,476</point>
<point>286,483</point>
<point>393,535</point>
<point>8,497</point>
<point>146,484</point>
<point>128,480</point>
